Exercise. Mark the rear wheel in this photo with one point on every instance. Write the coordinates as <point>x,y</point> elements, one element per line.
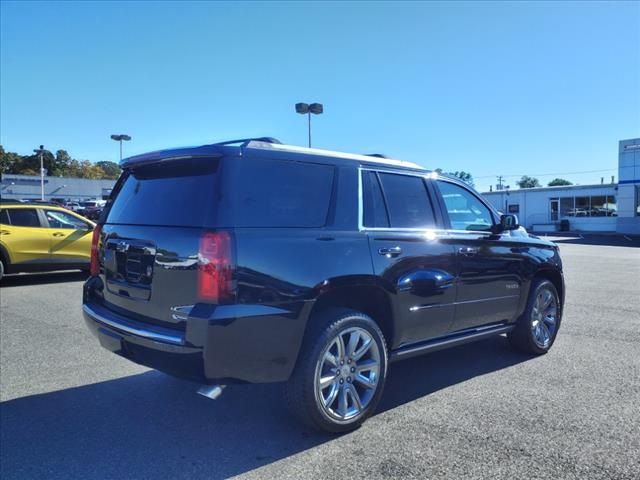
<point>341,371</point>
<point>538,326</point>
<point>1,268</point>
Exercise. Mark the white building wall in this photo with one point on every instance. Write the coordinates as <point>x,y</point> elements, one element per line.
<point>28,187</point>
<point>534,203</point>
<point>535,210</point>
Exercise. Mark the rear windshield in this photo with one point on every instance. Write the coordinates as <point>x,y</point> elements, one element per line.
<point>172,194</point>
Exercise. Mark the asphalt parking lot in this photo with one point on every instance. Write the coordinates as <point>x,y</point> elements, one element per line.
<point>72,410</point>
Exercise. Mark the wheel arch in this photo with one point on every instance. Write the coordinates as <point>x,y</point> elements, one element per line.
<point>369,299</point>
<point>555,277</point>
<point>4,256</point>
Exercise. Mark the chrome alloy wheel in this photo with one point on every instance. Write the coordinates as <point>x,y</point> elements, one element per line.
<point>544,318</point>
<point>347,373</point>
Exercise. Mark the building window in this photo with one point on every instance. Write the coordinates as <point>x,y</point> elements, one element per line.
<point>611,207</point>
<point>514,208</point>
<point>596,206</point>
<point>566,207</point>
<point>582,207</point>
<point>604,206</point>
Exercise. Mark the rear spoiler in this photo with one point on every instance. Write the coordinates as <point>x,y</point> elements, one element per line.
<point>171,155</point>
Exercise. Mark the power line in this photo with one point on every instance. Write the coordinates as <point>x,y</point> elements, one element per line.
<point>546,174</point>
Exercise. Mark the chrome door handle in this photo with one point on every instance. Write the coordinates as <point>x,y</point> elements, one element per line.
<point>468,251</point>
<point>390,252</point>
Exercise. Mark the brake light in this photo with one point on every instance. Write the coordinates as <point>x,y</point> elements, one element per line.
<point>95,246</point>
<point>215,270</point>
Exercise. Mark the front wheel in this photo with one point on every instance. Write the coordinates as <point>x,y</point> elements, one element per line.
<point>538,326</point>
<point>341,371</point>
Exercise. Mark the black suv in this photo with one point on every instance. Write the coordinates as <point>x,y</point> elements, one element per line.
<point>253,261</point>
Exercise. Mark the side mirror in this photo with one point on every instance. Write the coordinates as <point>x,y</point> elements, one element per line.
<point>509,222</point>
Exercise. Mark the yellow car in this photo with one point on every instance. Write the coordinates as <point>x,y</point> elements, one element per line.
<point>42,237</point>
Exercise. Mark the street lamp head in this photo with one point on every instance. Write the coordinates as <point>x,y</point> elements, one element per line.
<point>302,108</point>
<point>316,108</point>
<point>120,138</point>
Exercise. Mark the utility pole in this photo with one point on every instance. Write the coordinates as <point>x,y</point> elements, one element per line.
<point>40,151</point>
<point>499,185</point>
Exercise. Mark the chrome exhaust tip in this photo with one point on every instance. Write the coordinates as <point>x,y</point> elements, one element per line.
<point>211,391</point>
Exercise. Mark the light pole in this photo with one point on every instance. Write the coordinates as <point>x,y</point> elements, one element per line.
<point>305,108</point>
<point>120,138</point>
<point>40,151</point>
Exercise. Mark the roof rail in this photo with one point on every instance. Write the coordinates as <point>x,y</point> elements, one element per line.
<point>377,155</point>
<point>10,201</point>
<point>245,141</point>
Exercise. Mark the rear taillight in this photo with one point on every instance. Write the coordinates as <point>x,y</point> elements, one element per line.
<point>95,246</point>
<point>215,267</point>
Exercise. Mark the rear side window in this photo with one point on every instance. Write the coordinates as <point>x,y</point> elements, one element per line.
<point>375,211</point>
<point>407,201</point>
<point>275,193</point>
<point>24,217</point>
<point>4,217</point>
<point>172,194</point>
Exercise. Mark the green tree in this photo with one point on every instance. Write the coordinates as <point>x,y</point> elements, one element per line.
<point>464,176</point>
<point>111,169</point>
<point>528,182</point>
<point>8,161</point>
<point>73,169</point>
<point>559,181</point>
<point>89,170</point>
<point>61,164</point>
<point>31,163</point>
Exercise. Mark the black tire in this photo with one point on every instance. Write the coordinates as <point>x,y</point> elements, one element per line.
<point>1,268</point>
<point>523,337</point>
<point>301,388</point>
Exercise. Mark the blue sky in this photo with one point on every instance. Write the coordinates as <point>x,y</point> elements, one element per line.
<point>490,88</point>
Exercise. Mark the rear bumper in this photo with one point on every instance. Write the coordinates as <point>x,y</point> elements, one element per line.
<point>147,345</point>
<point>231,343</point>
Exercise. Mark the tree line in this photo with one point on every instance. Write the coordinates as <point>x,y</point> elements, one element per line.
<point>524,182</point>
<point>59,164</point>
<point>532,182</point>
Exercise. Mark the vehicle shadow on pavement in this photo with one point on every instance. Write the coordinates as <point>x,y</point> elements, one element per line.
<point>153,426</point>
<point>421,376</point>
<point>24,279</point>
<point>599,240</point>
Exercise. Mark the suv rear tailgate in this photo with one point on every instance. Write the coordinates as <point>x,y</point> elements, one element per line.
<point>151,238</point>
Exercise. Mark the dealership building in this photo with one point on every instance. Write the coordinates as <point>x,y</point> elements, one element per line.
<point>610,207</point>
<point>26,187</point>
